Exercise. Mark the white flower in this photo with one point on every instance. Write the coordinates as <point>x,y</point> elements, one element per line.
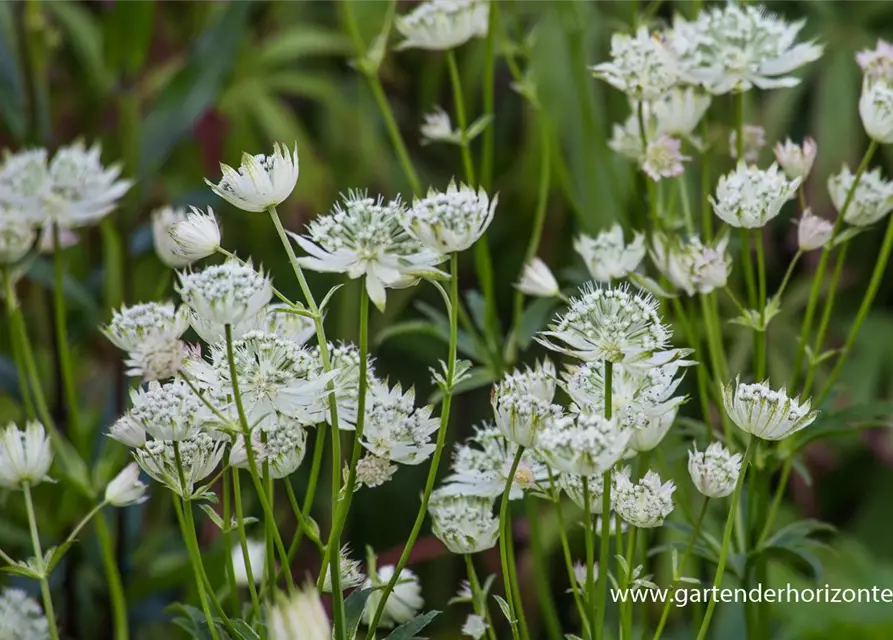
<point>351,572</point>
<point>24,179</point>
<point>25,455</point>
<point>520,414</point>
<point>483,470</point>
<point>443,24</point>
<point>47,241</point>
<point>714,472</point>
<point>692,266</point>
<point>159,360</point>
<point>580,570</point>
<point>228,293</point>
<point>764,413</point>
<point>261,181</point>
<point>640,66</point>
<point>199,456</point>
<point>402,604</point>
<point>363,236</point>
<point>538,381</point>
<point>300,616</point>
<point>649,437</point>
<point>586,446</point>
<point>212,332</point>
<point>450,221</point>
<point>126,489</point>
<point>285,445</point>
<point>128,432</point>
<point>256,560</point>
<point>438,128</point>
<point>607,257</point>
<point>17,235</point>
<point>465,524</point>
<point>163,219</point>
<point>572,484</point>
<point>626,138</point>
<point>796,160</point>
<point>876,109</point>
<point>135,326</point>
<point>663,158</point>
<point>475,626</point>
<point>877,64</point>
<point>872,200</point>
<point>280,321</point>
<point>168,411</point>
<point>679,112</point>
<point>813,232</point>
<point>195,237</point>
<point>734,48</point>
<point>750,197</point>
<point>373,471</point>
<point>21,617</point>
<point>345,360</point>
<point>754,139</point>
<point>608,324</point>
<point>394,428</point>
<point>537,280</point>
<point>644,504</point>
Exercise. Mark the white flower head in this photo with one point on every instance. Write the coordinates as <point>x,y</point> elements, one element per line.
<point>587,445</point>
<point>133,328</point>
<point>373,471</point>
<point>580,571</point>
<point>363,236</point>
<point>522,406</point>
<point>877,64</point>
<point>475,626</point>
<point>351,572</point>
<point>465,524</point>
<point>169,411</point>
<point>395,429</point>
<point>767,414</point>
<point>749,197</point>
<point>21,617</point>
<point>538,381</point>
<point>228,293</point>
<point>281,322</point>
<point>25,455</point>
<point>47,244</point>
<point>438,128</point>
<point>626,137</point>
<point>663,158</point>
<point>644,504</point>
<point>196,236</point>
<point>537,280</point>
<point>163,219</point>
<point>876,109</point>
<point>284,446</point>
<point>17,235</point>
<point>450,221</point>
<point>754,139</point>
<point>796,160</point>
<point>640,66</point>
<point>439,25</point>
<point>159,360</point>
<point>261,181</point>
<point>649,437</point>
<point>736,48</point>
<point>213,332</point>
<point>199,456</point>
<point>128,432</point>
<point>125,488</point>
<point>572,484</point>
<point>609,324</point>
<point>403,603</point>
<point>691,265</point>
<point>344,358</point>
<point>813,232</point>
<point>679,112</point>
<point>300,616</point>
<point>714,472</point>
<point>607,256</point>
<point>872,200</point>
<point>255,560</point>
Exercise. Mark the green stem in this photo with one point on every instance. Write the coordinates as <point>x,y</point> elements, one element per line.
<point>513,579</point>
<point>582,609</point>
<point>706,209</point>
<point>113,577</point>
<point>17,354</point>
<point>649,183</point>
<point>461,120</point>
<point>589,543</point>
<point>601,600</point>
<point>727,535</point>
<point>788,273</point>
<point>318,449</point>
<point>227,540</point>
<point>776,500</point>
<point>243,543</point>
<point>700,371</point>
<point>505,525</point>
<point>67,370</point>
<point>438,449</point>
<point>38,557</point>
<point>489,96</point>
<point>686,206</point>
<point>541,574</point>
<point>761,337</point>
<point>819,343</point>
<point>478,597</point>
<point>747,260</point>
<point>303,525</point>
<point>626,629</point>
<point>739,125</point>
<point>717,354</point>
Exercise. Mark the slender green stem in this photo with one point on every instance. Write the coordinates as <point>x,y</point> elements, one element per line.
<point>489,96</point>
<point>819,343</point>
<point>686,206</point>
<point>67,369</point>
<point>706,209</point>
<point>717,354</point>
<point>582,609</point>
<point>504,525</point>
<point>747,260</point>
<point>303,525</point>
<point>739,125</point>
<point>18,356</point>
<point>309,495</point>
<point>727,535</point>
<point>626,624</point>
<point>113,577</point>
<point>601,599</point>
<point>513,579</point>
<point>693,340</point>
<point>541,573</point>
<point>649,183</point>
<point>589,543</point>
<point>438,449</point>
<point>761,336</point>
<point>461,120</point>
<point>788,274</point>
<point>478,596</point>
<point>776,501</point>
<point>38,556</point>
<point>227,540</point>
<point>270,554</point>
<point>243,542</point>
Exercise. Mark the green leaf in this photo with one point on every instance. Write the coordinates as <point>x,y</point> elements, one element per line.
<point>244,630</point>
<point>408,630</point>
<point>86,40</point>
<point>504,607</point>
<point>302,41</point>
<point>353,610</point>
<point>534,318</point>
<point>650,285</point>
<point>128,32</point>
<point>42,272</point>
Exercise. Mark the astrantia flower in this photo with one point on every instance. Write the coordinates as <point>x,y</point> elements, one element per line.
<point>691,265</point>
<point>754,139</point>
<point>877,64</point>
<point>626,137</point>
<point>649,437</point>
<point>521,415</point>
<point>21,617</point>
<point>255,560</point>
<point>587,445</point>
<point>663,158</point>
<point>211,331</point>
<point>443,24</point>
<point>750,197</point>
<point>538,381</point>
<point>281,322</point>
<point>572,484</point>
<point>364,237</point>
<point>714,472</point>
<point>351,572</point>
<point>133,327</point>
<point>25,455</point>
<point>17,235</point>
<point>373,471</point>
<point>481,467</point>
<point>300,616</point>
<point>450,221</point>
<point>607,256</point>
<point>403,603</point>
<point>735,47</point>
<point>126,489</point>
<point>813,232</point>
<point>796,160</point>
<point>438,128</point>
<point>195,237</point>
<point>537,280</point>
<point>608,324</point>
<point>876,109</point>
<point>644,504</point>
<point>168,411</point>
<point>764,413</point>
<point>199,456</point>
<point>640,66</point>
<point>395,428</point>
<point>344,359</point>
<point>465,524</point>
<point>475,626</point>
<point>128,432</point>
<point>47,242</point>
<point>163,219</point>
<point>261,181</point>
<point>159,360</point>
<point>228,293</point>
<point>679,112</point>
<point>872,200</point>
<point>277,440</point>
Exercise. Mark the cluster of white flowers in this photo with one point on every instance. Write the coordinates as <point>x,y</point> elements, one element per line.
<point>261,181</point>
<point>450,221</point>
<point>607,256</point>
<point>767,414</point>
<point>25,455</point>
<point>21,618</point>
<point>714,471</point>
<point>871,201</point>
<point>749,197</point>
<point>644,504</point>
<point>640,66</point>
<point>691,265</point>
<point>395,429</point>
<point>444,24</point>
<point>464,523</point>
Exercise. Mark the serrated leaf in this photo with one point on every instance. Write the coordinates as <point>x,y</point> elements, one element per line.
<point>353,610</point>
<point>408,630</point>
<point>504,607</point>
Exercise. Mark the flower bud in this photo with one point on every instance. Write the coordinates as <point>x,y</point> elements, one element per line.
<point>813,232</point>
<point>195,237</point>
<point>126,489</point>
<point>796,160</point>
<point>876,110</point>
<point>714,472</point>
<point>537,280</point>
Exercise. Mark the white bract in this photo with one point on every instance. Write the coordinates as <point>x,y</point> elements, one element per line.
<point>640,66</point>
<point>163,219</point>
<point>749,197</point>
<point>877,63</point>
<point>767,414</point>
<point>281,322</point>
<point>691,265</point>
<point>363,237</point>
<point>876,109</point>
<point>351,572</point>
<point>475,626</point>
<point>438,128</point>
<point>17,235</point>
<point>871,201</point>
<point>587,445</point>
<point>438,25</point>
<point>261,181</point>
<point>300,616</point>
<point>196,236</point>
<point>373,471</point>
<point>25,455</point>
<point>537,280</point>
<point>199,456</point>
<point>403,603</point>
<point>168,411</point>
<point>649,437</point>
<point>663,158</point>
<point>572,485</point>
<point>450,221</point>
<point>21,617</point>
<point>607,256</point>
<point>813,232</point>
<point>714,471</point>
<point>644,504</point>
<point>125,488</point>
<point>753,139</point>
<point>465,524</point>
<point>521,411</point>
<point>796,160</point>
<point>228,293</point>
<point>395,428</point>
<point>133,328</point>
<point>679,112</point>
<point>254,560</point>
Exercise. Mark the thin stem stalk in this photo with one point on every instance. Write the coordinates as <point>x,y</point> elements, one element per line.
<point>38,556</point>
<point>505,525</point>
<point>601,599</point>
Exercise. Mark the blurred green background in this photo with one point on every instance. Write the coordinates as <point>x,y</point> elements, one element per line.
<point>171,88</point>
